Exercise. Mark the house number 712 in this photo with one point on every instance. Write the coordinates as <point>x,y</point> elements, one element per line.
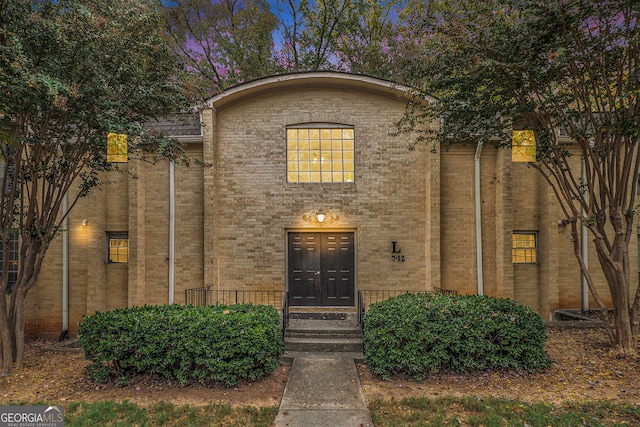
<point>395,250</point>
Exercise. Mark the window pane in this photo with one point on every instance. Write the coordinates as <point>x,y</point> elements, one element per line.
<point>524,250</point>
<point>12,272</point>
<point>321,152</point>
<point>347,133</point>
<point>118,246</point>
<point>523,146</point>
<point>117,148</point>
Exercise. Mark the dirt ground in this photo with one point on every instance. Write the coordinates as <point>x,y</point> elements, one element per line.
<point>584,369</point>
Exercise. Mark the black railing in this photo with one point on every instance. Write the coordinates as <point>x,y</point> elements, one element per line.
<point>366,297</point>
<point>361,309</point>
<point>207,296</point>
<point>285,313</point>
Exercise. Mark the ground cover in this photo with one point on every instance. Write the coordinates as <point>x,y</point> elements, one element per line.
<point>584,371</point>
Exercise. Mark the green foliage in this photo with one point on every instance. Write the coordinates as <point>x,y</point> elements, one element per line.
<point>222,344</point>
<point>72,71</point>
<point>419,334</point>
<point>545,66</point>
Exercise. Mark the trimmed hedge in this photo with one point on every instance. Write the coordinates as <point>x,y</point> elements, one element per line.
<point>222,343</point>
<point>418,334</point>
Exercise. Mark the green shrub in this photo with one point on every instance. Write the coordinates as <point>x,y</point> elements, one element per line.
<point>418,334</point>
<point>222,343</point>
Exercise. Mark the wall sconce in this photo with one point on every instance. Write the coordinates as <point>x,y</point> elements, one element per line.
<point>562,222</point>
<point>85,221</point>
<point>320,217</point>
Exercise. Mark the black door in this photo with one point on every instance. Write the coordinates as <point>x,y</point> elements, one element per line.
<point>321,269</point>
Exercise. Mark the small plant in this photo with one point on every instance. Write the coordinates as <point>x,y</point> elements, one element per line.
<point>222,343</point>
<point>419,334</point>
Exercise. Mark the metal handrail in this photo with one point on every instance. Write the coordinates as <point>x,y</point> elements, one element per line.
<point>361,310</point>
<point>207,296</point>
<point>285,313</point>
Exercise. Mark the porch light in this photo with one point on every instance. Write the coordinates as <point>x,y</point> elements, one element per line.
<point>320,217</point>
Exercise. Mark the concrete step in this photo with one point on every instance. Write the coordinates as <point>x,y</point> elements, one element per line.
<point>324,344</point>
<point>323,333</point>
<point>288,356</point>
<point>323,324</point>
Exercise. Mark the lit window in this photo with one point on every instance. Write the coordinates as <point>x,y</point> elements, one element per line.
<point>322,154</point>
<point>523,146</point>
<point>118,246</point>
<point>524,248</point>
<point>13,259</point>
<point>117,148</point>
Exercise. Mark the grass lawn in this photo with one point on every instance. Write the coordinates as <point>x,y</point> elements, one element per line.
<point>492,412</point>
<point>128,414</point>
<point>409,412</point>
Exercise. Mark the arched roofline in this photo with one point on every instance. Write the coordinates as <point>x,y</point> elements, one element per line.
<point>314,79</point>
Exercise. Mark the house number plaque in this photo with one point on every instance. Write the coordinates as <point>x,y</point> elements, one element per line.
<point>396,253</point>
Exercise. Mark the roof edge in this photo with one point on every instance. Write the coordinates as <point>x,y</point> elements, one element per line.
<point>327,78</point>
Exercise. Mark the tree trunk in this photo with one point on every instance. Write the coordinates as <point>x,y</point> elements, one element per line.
<point>613,266</point>
<point>626,341</point>
<point>6,349</point>
<point>18,329</point>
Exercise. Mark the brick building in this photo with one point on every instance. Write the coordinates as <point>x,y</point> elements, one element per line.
<point>306,187</point>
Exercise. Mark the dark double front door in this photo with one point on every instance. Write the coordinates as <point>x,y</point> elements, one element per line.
<point>321,269</point>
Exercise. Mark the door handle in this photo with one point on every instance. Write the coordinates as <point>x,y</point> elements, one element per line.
<point>317,273</point>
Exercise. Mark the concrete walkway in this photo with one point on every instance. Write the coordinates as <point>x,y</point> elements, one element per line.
<point>323,391</point>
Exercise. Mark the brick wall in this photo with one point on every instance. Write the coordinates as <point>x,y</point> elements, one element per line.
<point>233,214</point>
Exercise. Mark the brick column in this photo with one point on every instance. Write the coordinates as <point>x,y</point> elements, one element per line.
<point>432,239</point>
<point>548,251</point>
<point>209,149</point>
<point>96,285</point>
<point>137,206</point>
<point>504,285</point>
